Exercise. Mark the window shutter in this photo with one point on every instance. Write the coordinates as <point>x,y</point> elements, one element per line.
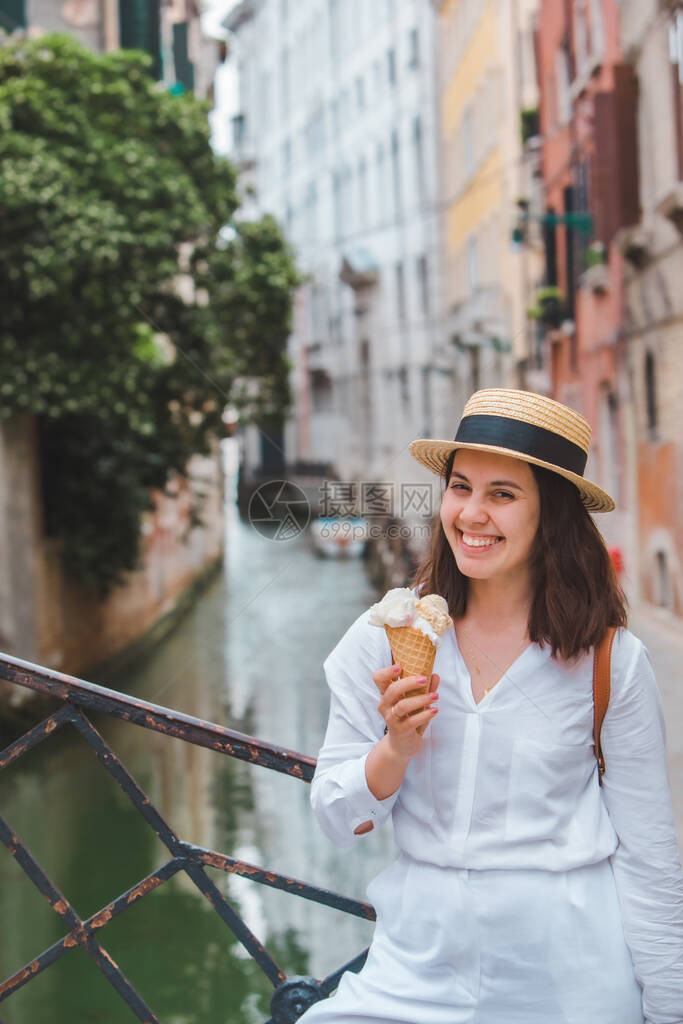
<point>139,27</point>
<point>184,69</point>
<point>12,14</point>
<point>615,172</point>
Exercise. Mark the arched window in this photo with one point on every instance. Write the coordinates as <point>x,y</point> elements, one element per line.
<point>650,392</point>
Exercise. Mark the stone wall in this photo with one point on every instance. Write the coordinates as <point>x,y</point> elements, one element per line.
<point>44,616</point>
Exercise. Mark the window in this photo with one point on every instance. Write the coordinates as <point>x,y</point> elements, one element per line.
<point>381,191</point>
<point>609,440</point>
<point>139,28</point>
<point>400,292</point>
<point>475,369</point>
<point>284,79</point>
<point>562,75</point>
<point>377,77</point>
<point>662,580</point>
<point>391,66</point>
<point>336,203</point>
<point>597,26</point>
<point>360,93</point>
<point>580,36</point>
<point>347,201</point>
<point>362,194</point>
<point>311,212</point>
<point>419,159</point>
<point>286,157</point>
<point>423,284</point>
<point>12,14</point>
<point>264,97</point>
<point>315,133</point>
<point>334,23</point>
<point>676,57</point>
<point>184,68</point>
<point>344,109</point>
<point>468,141</point>
<point>650,394</point>
<point>403,383</point>
<point>396,171</point>
<point>413,48</point>
<point>472,269</point>
<point>321,391</point>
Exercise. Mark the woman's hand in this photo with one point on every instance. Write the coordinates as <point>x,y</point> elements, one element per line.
<point>405,715</point>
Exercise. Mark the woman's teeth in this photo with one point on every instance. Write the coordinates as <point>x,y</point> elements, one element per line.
<point>473,541</point>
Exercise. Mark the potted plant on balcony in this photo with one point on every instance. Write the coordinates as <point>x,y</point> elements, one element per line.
<point>549,308</point>
<point>596,275</point>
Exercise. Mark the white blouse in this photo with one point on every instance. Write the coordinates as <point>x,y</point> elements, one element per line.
<point>512,782</point>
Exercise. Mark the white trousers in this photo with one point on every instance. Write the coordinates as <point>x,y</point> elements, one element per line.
<point>457,946</point>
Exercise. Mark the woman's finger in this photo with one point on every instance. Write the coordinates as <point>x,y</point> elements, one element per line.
<point>400,687</point>
<point>409,704</point>
<point>434,684</point>
<point>384,676</point>
<point>411,722</point>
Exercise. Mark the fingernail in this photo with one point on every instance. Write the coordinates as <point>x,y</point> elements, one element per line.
<point>395,669</point>
<point>433,696</point>
<point>422,679</point>
<point>434,711</point>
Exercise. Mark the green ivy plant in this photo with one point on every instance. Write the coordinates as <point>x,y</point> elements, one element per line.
<point>135,299</point>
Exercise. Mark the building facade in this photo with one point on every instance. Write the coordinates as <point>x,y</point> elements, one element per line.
<point>651,35</point>
<point>486,79</point>
<point>336,133</point>
<point>590,175</point>
<point>170,32</point>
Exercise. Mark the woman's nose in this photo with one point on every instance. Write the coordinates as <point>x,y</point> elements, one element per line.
<point>473,509</point>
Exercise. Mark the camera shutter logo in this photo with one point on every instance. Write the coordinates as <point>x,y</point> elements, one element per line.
<point>279,510</point>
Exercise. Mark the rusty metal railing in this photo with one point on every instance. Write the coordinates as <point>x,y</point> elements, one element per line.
<point>291,995</point>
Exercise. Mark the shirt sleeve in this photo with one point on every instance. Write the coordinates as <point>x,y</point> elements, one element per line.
<point>340,796</point>
<point>646,863</point>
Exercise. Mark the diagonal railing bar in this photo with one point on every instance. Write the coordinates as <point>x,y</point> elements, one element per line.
<point>149,812</point>
<point>291,995</point>
<point>97,920</point>
<point>35,736</point>
<point>255,874</point>
<point>152,716</point>
<point>113,765</point>
<point>233,920</point>
<point>63,908</point>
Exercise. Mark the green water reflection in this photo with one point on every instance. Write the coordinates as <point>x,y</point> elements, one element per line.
<point>257,671</point>
<point>172,946</point>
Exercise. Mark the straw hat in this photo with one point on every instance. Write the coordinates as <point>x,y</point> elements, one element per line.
<point>524,426</point>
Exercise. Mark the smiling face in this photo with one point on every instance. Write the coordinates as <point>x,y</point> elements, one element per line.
<point>490,513</point>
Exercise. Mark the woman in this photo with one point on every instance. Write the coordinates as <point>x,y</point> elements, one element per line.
<point>525,893</point>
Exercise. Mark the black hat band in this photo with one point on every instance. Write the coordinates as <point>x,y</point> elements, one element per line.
<point>523,438</point>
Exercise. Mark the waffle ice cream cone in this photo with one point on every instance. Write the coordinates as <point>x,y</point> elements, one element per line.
<point>414,627</point>
<point>415,653</point>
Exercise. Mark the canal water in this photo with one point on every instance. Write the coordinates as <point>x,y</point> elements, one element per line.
<point>249,655</point>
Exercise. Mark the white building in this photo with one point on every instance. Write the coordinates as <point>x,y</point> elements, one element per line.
<point>336,131</point>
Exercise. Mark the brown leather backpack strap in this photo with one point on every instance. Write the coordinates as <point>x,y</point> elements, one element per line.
<point>602,657</point>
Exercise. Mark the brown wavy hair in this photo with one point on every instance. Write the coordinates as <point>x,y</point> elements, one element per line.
<point>576,592</point>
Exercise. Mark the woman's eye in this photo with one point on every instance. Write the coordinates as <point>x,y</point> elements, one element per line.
<point>456,486</point>
<point>504,494</point>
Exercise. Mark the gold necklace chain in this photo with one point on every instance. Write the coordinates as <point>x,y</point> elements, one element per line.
<point>525,641</point>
